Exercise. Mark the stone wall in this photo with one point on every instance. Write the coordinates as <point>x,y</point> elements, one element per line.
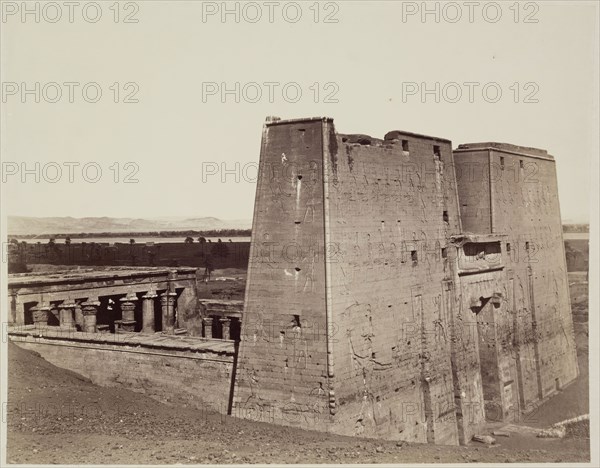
<point>283,355</point>
<point>520,186</point>
<point>391,209</point>
<point>198,379</point>
<point>437,288</point>
<point>360,335</point>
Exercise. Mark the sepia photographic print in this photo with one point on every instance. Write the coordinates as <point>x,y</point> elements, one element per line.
<point>299,232</point>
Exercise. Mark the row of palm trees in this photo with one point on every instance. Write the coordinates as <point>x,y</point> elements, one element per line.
<point>52,240</point>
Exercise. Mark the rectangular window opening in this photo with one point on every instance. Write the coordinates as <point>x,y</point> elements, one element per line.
<point>437,152</point>
<point>405,145</point>
<point>414,257</point>
<point>481,249</point>
<point>502,162</point>
<point>445,217</point>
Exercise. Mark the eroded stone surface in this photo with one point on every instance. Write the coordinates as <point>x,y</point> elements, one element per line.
<point>393,290</point>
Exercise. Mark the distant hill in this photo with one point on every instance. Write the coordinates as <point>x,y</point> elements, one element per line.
<point>23,225</point>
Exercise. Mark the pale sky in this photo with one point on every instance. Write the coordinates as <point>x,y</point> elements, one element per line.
<point>370,55</point>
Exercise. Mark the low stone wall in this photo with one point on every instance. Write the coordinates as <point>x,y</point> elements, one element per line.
<point>168,370</point>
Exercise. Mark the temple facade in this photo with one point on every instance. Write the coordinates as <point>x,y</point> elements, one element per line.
<point>399,289</point>
<point>396,289</point>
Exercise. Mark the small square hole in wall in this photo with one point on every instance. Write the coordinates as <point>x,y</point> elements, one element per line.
<point>526,245</point>
<point>445,217</point>
<point>444,252</point>
<point>414,257</point>
<point>502,162</point>
<point>508,246</point>
<point>437,152</point>
<point>405,145</point>
<point>521,164</point>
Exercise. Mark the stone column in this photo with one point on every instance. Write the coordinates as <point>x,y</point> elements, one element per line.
<point>65,314</point>
<point>187,318</point>
<point>225,327</point>
<point>78,316</point>
<point>12,312</point>
<point>89,312</point>
<point>40,314</point>
<point>19,312</point>
<point>208,321</point>
<point>127,322</point>
<point>167,301</point>
<point>148,312</point>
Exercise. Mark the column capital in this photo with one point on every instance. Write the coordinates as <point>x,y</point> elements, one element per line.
<point>41,306</point>
<point>150,294</point>
<point>40,312</point>
<point>168,297</point>
<point>89,310</point>
<point>130,297</point>
<point>91,302</point>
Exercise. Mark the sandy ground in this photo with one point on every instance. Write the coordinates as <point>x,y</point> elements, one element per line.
<point>57,416</point>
